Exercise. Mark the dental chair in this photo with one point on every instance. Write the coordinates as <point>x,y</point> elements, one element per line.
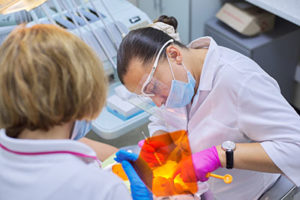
<point>282,189</point>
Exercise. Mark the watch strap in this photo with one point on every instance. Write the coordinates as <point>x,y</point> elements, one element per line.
<point>229,159</point>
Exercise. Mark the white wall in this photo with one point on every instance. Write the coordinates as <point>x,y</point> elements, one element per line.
<point>134,2</point>
<point>180,9</point>
<point>201,11</point>
<point>191,14</point>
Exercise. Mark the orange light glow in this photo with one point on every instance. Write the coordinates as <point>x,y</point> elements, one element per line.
<point>164,184</point>
<point>173,148</point>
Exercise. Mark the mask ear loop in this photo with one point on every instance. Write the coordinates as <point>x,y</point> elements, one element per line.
<point>171,68</point>
<point>187,72</point>
<point>184,67</point>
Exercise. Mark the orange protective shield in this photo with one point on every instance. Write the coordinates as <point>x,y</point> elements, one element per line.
<point>173,148</point>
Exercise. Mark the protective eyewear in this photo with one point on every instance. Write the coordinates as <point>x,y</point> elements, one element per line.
<point>145,91</point>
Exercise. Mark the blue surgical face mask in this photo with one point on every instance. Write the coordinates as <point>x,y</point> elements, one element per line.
<point>181,93</point>
<point>81,128</point>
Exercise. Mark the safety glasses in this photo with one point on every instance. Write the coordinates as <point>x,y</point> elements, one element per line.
<point>145,91</point>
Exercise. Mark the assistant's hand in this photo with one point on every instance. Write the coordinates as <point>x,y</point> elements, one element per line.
<point>203,162</point>
<point>139,191</point>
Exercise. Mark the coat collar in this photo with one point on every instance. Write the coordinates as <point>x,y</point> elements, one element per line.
<point>34,146</point>
<point>211,61</point>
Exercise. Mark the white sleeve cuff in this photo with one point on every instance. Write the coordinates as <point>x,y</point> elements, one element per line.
<point>280,153</point>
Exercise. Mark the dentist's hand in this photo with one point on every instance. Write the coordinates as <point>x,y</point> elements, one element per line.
<point>139,191</point>
<point>203,162</point>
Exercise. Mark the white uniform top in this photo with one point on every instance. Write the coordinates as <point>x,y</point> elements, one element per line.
<point>236,100</point>
<point>54,176</point>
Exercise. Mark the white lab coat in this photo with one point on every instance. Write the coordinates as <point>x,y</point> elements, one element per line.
<point>54,176</point>
<point>236,100</point>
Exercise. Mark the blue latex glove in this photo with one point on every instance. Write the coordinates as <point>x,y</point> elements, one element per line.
<point>139,191</point>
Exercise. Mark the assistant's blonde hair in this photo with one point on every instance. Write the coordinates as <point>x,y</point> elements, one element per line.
<point>48,76</point>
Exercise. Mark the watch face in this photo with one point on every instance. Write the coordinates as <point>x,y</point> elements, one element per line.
<point>228,145</point>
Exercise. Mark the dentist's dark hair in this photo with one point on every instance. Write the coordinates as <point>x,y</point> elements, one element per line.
<point>168,20</point>
<point>143,44</point>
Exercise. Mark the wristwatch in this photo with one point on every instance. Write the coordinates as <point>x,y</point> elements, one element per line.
<point>228,147</point>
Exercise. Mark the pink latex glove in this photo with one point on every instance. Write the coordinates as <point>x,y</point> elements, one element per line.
<point>203,162</point>
<point>141,143</point>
